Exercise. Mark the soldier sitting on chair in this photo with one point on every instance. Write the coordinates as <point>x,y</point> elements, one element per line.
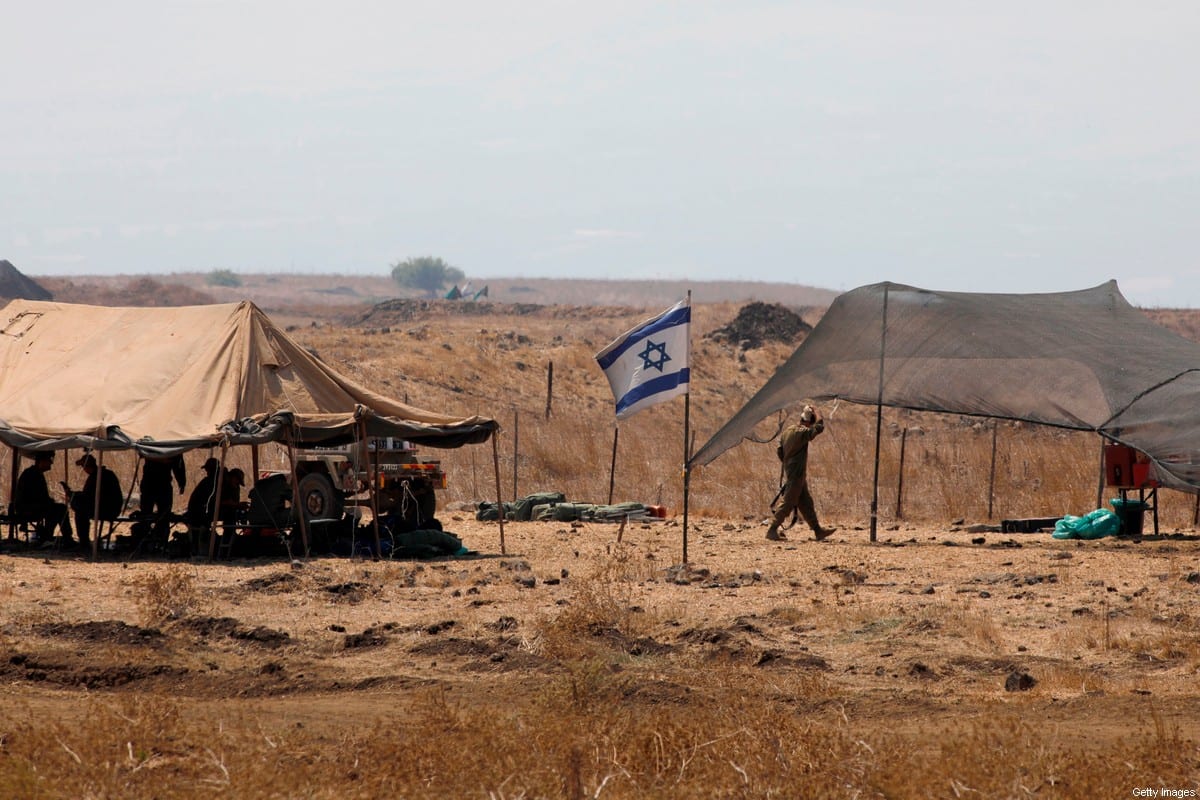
<point>83,502</point>
<point>32,501</point>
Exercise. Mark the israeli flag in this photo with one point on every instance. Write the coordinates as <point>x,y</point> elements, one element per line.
<point>649,364</point>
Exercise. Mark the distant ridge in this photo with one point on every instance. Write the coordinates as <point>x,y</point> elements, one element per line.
<point>14,285</point>
<point>279,291</point>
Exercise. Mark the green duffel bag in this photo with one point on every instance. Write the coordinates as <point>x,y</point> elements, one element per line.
<point>618,511</point>
<point>569,512</point>
<point>523,508</point>
<point>489,512</point>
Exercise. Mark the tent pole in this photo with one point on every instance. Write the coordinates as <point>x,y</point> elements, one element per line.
<point>879,415</point>
<point>12,490</point>
<point>612,469</point>
<point>499,498</point>
<point>374,474</point>
<point>298,505</point>
<point>253,464</point>
<point>95,523</point>
<point>216,517</point>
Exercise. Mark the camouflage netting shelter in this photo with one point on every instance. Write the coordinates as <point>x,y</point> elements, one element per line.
<point>167,380</point>
<point>1085,360</point>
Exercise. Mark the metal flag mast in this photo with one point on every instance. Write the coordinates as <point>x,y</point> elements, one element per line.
<point>687,470</point>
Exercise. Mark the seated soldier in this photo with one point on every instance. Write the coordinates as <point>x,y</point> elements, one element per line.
<point>32,501</point>
<point>203,499</point>
<point>83,502</point>
<point>231,496</point>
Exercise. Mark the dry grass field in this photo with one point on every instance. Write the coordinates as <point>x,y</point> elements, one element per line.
<point>578,660</point>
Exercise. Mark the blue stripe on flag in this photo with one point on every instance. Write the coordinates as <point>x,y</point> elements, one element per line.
<point>651,387</point>
<point>678,316</point>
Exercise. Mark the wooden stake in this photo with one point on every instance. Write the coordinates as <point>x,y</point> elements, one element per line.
<point>992,474</point>
<point>612,469</point>
<point>516,447</point>
<point>549,386</point>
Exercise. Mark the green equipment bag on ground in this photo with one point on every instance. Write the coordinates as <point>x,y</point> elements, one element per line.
<point>1093,525</point>
<point>617,512</point>
<point>524,507</point>
<point>427,544</point>
<point>489,512</point>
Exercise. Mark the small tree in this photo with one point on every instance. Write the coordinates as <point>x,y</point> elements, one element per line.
<point>223,277</point>
<point>427,273</point>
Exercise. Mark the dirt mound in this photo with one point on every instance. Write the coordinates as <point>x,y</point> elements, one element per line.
<point>14,284</point>
<point>110,631</point>
<point>757,323</point>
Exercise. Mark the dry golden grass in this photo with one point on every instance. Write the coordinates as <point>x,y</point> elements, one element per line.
<point>575,665</point>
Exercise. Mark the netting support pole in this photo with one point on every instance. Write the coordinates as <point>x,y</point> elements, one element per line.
<point>879,416</point>
<point>900,477</point>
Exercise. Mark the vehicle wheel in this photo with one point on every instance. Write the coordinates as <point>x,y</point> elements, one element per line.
<point>318,499</point>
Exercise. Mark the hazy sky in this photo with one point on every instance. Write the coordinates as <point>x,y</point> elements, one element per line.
<point>980,146</point>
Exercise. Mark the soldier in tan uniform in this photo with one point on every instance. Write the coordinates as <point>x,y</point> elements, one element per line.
<point>793,452</point>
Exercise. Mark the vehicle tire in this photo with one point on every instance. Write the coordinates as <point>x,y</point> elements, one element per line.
<point>318,500</point>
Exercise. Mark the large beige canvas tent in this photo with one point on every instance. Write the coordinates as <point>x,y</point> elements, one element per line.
<point>166,380</point>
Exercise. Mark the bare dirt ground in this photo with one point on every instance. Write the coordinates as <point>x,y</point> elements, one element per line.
<point>1091,642</point>
<point>1003,665</point>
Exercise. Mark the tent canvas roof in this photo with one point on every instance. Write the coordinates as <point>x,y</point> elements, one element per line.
<point>171,379</point>
<point>1084,360</point>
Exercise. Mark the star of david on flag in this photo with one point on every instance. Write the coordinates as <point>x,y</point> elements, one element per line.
<point>649,364</point>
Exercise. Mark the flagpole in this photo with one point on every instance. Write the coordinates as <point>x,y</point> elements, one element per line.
<point>687,471</point>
